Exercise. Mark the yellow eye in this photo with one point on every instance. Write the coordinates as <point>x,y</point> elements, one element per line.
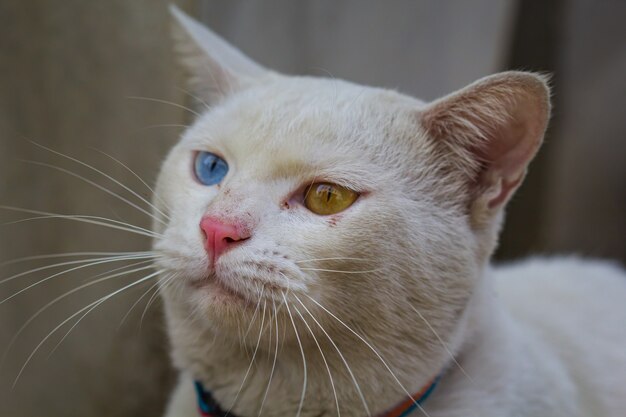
<point>324,198</point>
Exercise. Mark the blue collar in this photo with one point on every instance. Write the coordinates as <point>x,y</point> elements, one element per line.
<point>208,407</point>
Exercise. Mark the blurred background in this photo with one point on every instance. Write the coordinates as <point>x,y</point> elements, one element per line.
<point>85,77</point>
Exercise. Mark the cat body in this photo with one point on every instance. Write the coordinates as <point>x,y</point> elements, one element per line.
<point>281,303</point>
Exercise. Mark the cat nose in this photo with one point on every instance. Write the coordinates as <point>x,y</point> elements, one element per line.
<point>220,236</point>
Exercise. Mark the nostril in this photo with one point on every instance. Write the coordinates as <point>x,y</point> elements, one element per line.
<point>230,240</point>
<point>219,236</point>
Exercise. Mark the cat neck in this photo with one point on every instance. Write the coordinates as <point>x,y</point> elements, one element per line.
<point>223,367</point>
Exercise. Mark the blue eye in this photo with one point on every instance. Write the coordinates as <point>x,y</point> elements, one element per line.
<point>210,169</point>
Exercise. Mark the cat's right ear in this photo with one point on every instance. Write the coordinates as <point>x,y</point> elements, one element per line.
<point>216,68</point>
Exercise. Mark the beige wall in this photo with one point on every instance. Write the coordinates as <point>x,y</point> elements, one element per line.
<point>66,70</point>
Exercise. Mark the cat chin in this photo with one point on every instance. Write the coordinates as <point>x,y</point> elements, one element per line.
<point>220,293</point>
<point>230,292</point>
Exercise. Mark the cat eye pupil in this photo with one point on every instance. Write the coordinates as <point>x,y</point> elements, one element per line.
<point>326,198</point>
<point>209,168</point>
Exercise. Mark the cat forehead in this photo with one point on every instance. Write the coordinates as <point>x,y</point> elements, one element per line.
<point>305,121</point>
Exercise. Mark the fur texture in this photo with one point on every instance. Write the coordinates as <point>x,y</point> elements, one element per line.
<point>349,313</point>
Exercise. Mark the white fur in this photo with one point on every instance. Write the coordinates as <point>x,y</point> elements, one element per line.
<point>542,338</point>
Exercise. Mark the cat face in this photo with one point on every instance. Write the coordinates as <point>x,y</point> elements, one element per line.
<point>278,139</point>
<point>425,184</point>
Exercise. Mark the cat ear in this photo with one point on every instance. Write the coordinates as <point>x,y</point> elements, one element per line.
<point>492,128</point>
<point>217,69</point>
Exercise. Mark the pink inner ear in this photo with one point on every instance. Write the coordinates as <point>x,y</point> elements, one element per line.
<point>505,190</point>
<point>494,128</point>
<point>509,147</point>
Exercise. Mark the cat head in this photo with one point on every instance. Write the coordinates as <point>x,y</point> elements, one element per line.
<point>315,197</point>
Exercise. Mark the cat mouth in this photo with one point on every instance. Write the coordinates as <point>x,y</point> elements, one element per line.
<point>223,292</point>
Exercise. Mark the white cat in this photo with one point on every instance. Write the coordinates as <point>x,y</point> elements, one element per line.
<point>331,242</point>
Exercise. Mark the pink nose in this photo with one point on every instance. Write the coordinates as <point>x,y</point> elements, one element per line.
<point>220,236</point>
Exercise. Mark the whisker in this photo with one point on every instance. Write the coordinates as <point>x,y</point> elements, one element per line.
<point>239,336</point>
<point>92,263</point>
<point>97,302</point>
<point>198,99</point>
<point>98,186</point>
<point>141,298</point>
<point>171,103</point>
<point>64,255</point>
<point>332,383</point>
<point>304,368</point>
<point>169,283</point>
<point>94,169</point>
<point>102,300</point>
<point>338,258</point>
<point>137,176</point>
<point>345,362</point>
<point>256,310</point>
<point>443,344</point>
<point>151,300</point>
<point>160,125</point>
<point>245,377</point>
<point>270,323</point>
<point>64,295</point>
<point>341,272</point>
<point>373,350</point>
<point>125,267</point>
<point>269,382</point>
<point>82,218</point>
<point>132,255</point>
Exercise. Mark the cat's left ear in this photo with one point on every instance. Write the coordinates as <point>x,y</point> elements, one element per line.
<point>492,129</point>
<point>216,68</point>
